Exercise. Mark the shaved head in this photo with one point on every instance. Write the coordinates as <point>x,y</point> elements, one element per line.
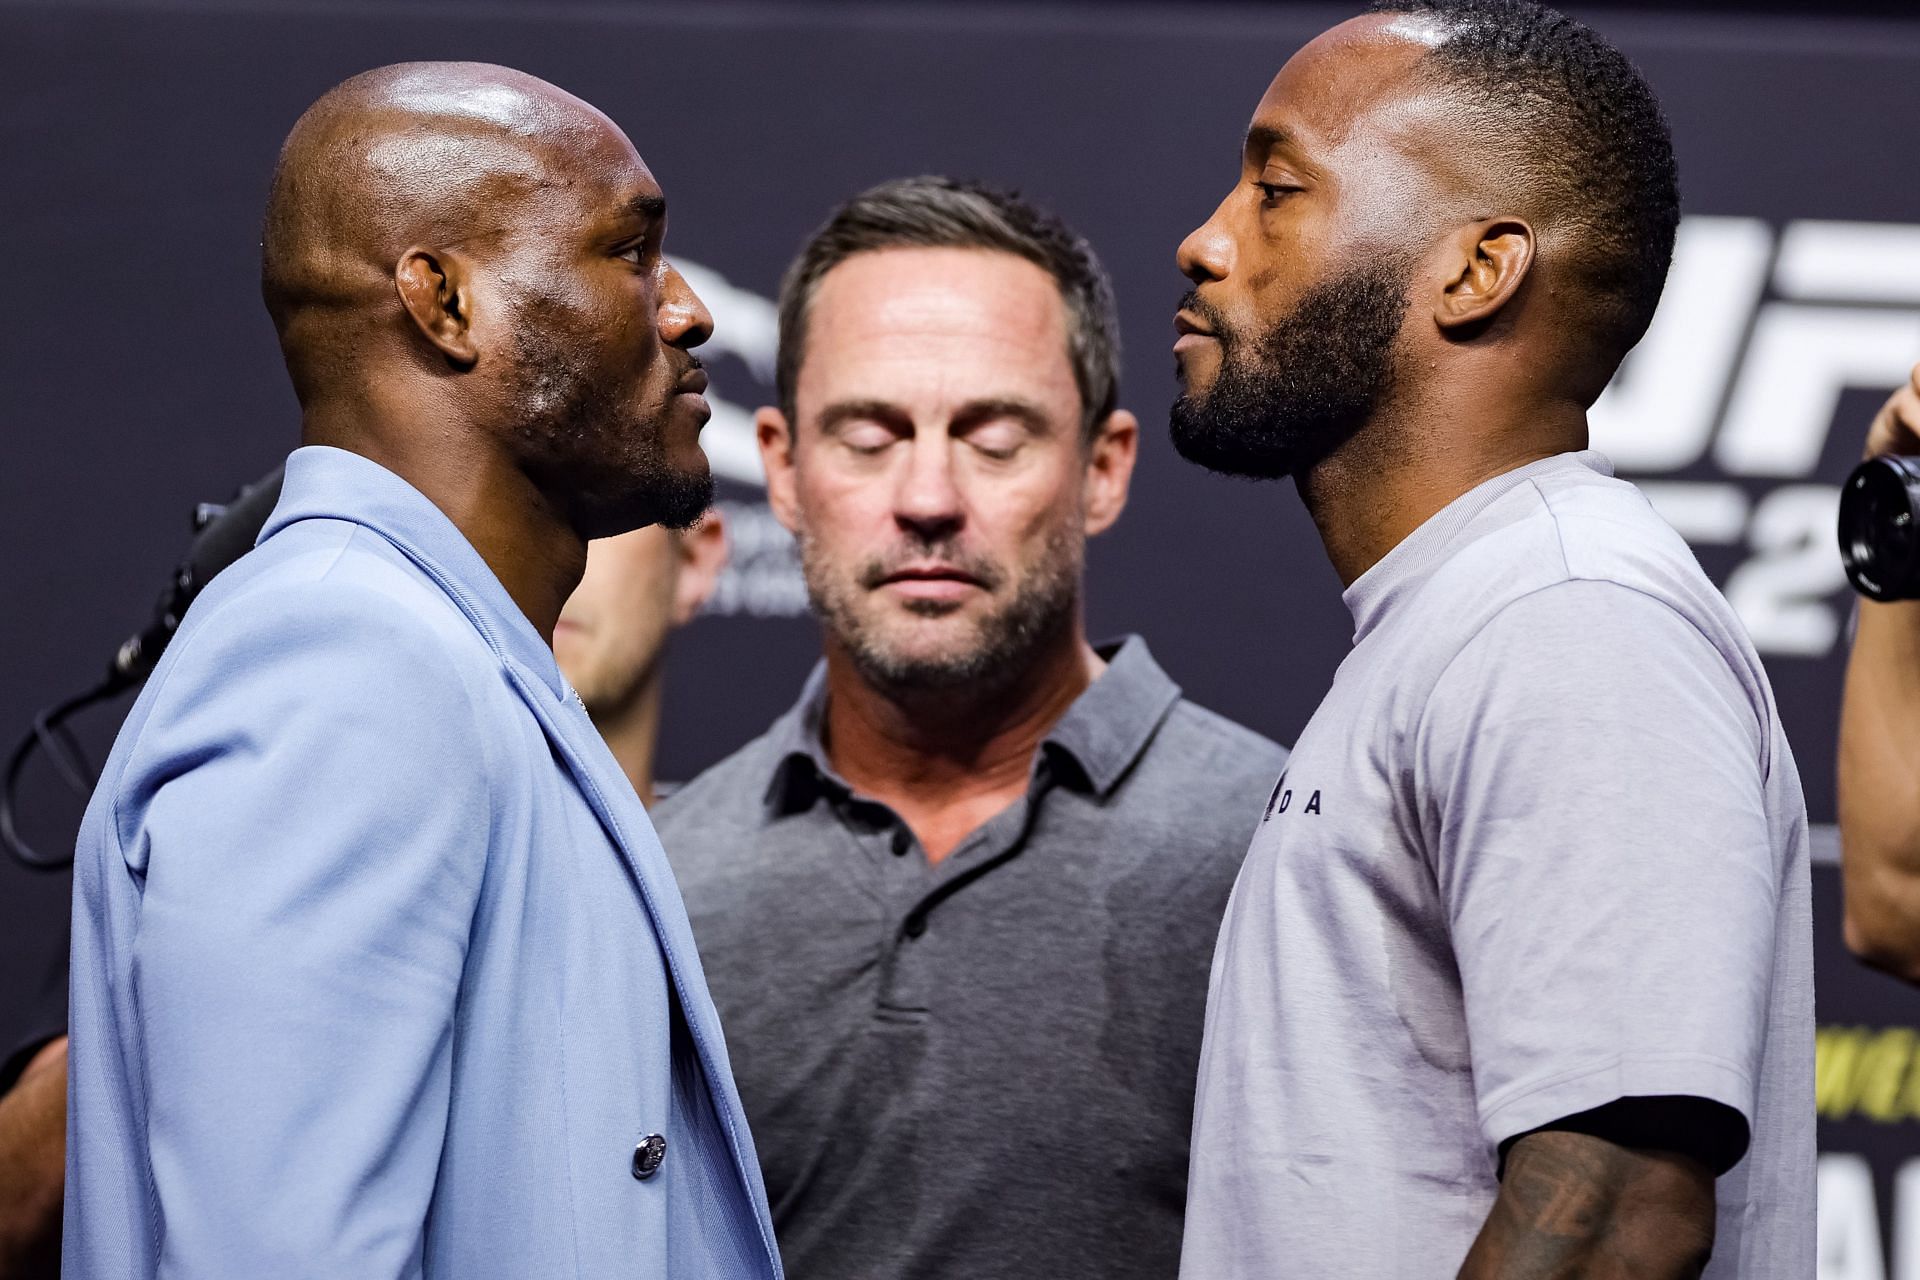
<point>468,246</point>
<point>440,153</point>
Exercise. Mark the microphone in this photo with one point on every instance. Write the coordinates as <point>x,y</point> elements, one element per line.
<point>222,534</point>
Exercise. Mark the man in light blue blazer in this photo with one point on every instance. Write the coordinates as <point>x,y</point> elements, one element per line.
<point>378,968</point>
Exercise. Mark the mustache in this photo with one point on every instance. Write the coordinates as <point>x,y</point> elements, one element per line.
<point>982,570</point>
<point>1209,316</point>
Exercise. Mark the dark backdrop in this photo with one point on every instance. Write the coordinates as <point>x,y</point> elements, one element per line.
<point>138,373</point>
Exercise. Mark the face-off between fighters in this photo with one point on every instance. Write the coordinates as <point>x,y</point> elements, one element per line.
<point>1007,943</point>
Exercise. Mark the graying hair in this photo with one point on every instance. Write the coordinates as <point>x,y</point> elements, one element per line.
<point>941,213</point>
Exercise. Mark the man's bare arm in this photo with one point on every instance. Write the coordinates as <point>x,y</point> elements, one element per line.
<point>33,1147</point>
<point>1575,1205</point>
<point>1880,752</point>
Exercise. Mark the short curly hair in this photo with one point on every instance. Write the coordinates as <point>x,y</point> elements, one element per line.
<point>931,212</point>
<point>1592,147</point>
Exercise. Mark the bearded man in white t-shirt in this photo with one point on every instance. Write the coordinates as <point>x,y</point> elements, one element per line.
<point>1517,978</point>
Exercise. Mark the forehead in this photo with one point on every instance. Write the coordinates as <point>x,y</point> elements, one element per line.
<point>925,311</point>
<point>1357,80</point>
<point>592,160</point>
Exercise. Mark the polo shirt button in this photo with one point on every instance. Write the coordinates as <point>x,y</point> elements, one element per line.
<point>902,841</point>
<point>916,925</point>
<point>648,1155</point>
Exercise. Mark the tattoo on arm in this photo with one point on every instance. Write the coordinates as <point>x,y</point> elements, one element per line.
<point>1573,1205</point>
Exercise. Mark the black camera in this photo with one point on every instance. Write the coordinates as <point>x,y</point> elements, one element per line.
<point>1880,528</point>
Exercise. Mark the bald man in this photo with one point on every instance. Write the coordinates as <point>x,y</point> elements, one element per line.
<point>378,967</point>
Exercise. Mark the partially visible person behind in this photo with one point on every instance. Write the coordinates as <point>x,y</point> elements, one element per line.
<point>1880,750</point>
<point>612,635</point>
<point>33,1144</point>
<point>957,906</point>
<point>1517,980</point>
<point>378,968</point>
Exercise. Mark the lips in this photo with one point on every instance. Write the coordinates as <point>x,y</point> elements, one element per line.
<point>692,383</point>
<point>931,573</point>
<point>1185,324</point>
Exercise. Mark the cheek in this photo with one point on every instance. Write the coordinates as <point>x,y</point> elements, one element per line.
<point>1021,514</point>
<point>852,514</point>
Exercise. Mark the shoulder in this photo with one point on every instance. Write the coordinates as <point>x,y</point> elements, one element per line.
<point>1595,652</point>
<point>723,800</point>
<point>336,592</point>
<point>1199,786</point>
<point>1572,541</point>
<point>1218,751</point>
<point>324,628</point>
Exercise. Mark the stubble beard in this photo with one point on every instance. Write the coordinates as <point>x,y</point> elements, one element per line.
<point>1004,645</point>
<point>1287,398</point>
<point>580,436</point>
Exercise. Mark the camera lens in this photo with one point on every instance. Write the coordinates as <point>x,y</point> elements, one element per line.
<point>1879,540</point>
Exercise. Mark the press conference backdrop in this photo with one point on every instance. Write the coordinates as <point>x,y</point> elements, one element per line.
<point>138,373</point>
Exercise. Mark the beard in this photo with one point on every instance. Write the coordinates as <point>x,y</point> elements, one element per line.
<point>580,438</point>
<point>1003,644</point>
<point>1287,398</point>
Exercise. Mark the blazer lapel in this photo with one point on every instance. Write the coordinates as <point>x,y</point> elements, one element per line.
<point>579,745</point>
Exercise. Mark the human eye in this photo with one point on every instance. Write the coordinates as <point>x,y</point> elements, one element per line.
<point>866,438</point>
<point>1273,191</point>
<point>996,440</point>
<point>636,253</point>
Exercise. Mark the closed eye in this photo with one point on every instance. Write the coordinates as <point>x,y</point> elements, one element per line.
<point>997,440</point>
<point>866,438</point>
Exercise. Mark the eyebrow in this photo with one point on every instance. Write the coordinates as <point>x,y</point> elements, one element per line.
<point>1027,413</point>
<point>1262,138</point>
<point>844,411</point>
<point>648,206</point>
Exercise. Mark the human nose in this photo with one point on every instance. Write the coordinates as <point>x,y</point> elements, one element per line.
<point>927,502</point>
<point>684,319</point>
<point>1207,252</point>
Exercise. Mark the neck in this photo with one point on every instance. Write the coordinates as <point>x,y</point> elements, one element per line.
<point>632,730</point>
<point>1411,461</point>
<point>520,533</point>
<point>947,760</point>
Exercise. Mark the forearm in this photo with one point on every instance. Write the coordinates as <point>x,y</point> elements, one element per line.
<point>33,1146</point>
<point>1880,787</point>
<point>1572,1205</point>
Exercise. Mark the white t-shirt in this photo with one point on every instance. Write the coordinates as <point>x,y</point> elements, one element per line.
<point>1542,847</point>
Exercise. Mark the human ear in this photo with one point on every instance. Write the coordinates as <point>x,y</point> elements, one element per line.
<point>1491,259</point>
<point>438,297</point>
<point>775,435</point>
<point>703,554</point>
<point>1110,458</point>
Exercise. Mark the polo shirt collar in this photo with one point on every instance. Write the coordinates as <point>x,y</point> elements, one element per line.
<point>324,483</point>
<point>1105,730</point>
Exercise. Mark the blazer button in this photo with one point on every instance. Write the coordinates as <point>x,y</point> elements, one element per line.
<point>648,1155</point>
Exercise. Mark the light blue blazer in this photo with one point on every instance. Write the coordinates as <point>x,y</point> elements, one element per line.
<point>378,969</point>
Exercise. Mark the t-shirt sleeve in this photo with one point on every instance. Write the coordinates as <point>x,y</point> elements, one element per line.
<point>312,849</point>
<point>1591,770</point>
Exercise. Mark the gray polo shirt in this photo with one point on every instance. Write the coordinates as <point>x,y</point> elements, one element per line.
<point>983,1068</point>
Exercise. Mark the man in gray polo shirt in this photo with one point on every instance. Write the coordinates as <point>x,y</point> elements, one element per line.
<point>1517,979</point>
<point>956,907</point>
